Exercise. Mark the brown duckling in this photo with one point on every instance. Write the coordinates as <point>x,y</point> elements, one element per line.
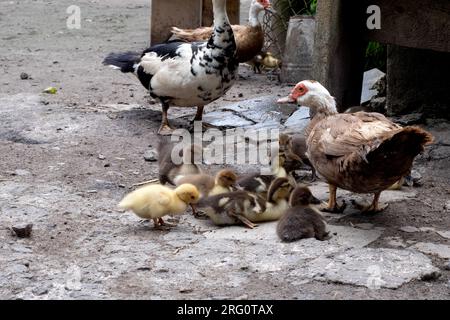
<point>245,207</point>
<point>296,153</point>
<point>259,183</point>
<point>207,185</point>
<point>302,220</point>
<point>168,170</point>
<point>276,202</point>
<point>227,208</point>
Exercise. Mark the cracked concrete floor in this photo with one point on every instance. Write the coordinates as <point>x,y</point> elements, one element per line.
<point>52,175</point>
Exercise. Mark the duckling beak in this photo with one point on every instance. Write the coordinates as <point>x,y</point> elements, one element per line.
<point>286,100</point>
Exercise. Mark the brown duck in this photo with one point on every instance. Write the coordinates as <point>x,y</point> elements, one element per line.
<point>361,152</point>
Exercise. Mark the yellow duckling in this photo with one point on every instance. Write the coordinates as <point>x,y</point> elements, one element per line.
<point>155,201</point>
<point>270,62</point>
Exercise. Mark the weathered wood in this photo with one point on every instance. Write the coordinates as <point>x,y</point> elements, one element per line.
<point>421,24</point>
<point>338,60</point>
<point>417,80</point>
<point>186,14</point>
<point>233,10</point>
<point>166,14</point>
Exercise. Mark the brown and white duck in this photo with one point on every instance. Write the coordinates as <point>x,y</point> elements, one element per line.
<point>360,152</point>
<point>249,38</point>
<point>185,74</point>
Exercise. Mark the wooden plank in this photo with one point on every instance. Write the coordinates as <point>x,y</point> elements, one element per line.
<point>421,24</point>
<point>338,60</point>
<point>165,14</point>
<point>233,10</point>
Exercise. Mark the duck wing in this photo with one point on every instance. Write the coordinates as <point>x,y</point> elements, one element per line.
<point>344,134</point>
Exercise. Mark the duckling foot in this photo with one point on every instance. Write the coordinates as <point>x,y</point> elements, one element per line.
<point>334,209</point>
<point>165,130</point>
<point>163,223</point>
<point>160,224</point>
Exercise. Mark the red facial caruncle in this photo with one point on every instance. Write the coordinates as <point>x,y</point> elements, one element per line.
<point>265,3</point>
<point>298,91</point>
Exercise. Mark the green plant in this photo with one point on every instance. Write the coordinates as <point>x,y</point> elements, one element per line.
<point>376,56</point>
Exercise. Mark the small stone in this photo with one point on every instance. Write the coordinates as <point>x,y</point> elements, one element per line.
<point>23,231</point>
<point>443,234</point>
<point>364,226</point>
<point>150,155</point>
<point>21,172</point>
<point>21,249</point>
<point>101,157</point>
<point>24,76</point>
<point>144,269</point>
<point>240,95</point>
<point>243,297</point>
<point>431,276</point>
<point>409,229</point>
<point>440,250</point>
<point>447,206</point>
<point>447,266</point>
<point>409,119</point>
<point>39,291</point>
<point>186,290</point>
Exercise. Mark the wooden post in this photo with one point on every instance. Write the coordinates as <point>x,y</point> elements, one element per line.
<point>338,61</point>
<point>233,10</point>
<point>166,14</point>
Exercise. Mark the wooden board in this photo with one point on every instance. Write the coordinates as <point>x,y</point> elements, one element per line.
<point>233,9</point>
<point>421,24</point>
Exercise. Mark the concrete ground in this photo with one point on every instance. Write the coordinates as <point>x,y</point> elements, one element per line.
<point>67,160</point>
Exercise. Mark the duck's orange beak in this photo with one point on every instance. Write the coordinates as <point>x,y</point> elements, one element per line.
<point>286,100</point>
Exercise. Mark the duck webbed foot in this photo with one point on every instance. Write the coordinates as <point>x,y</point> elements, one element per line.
<point>334,208</point>
<point>165,129</point>
<point>332,205</point>
<point>374,207</point>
